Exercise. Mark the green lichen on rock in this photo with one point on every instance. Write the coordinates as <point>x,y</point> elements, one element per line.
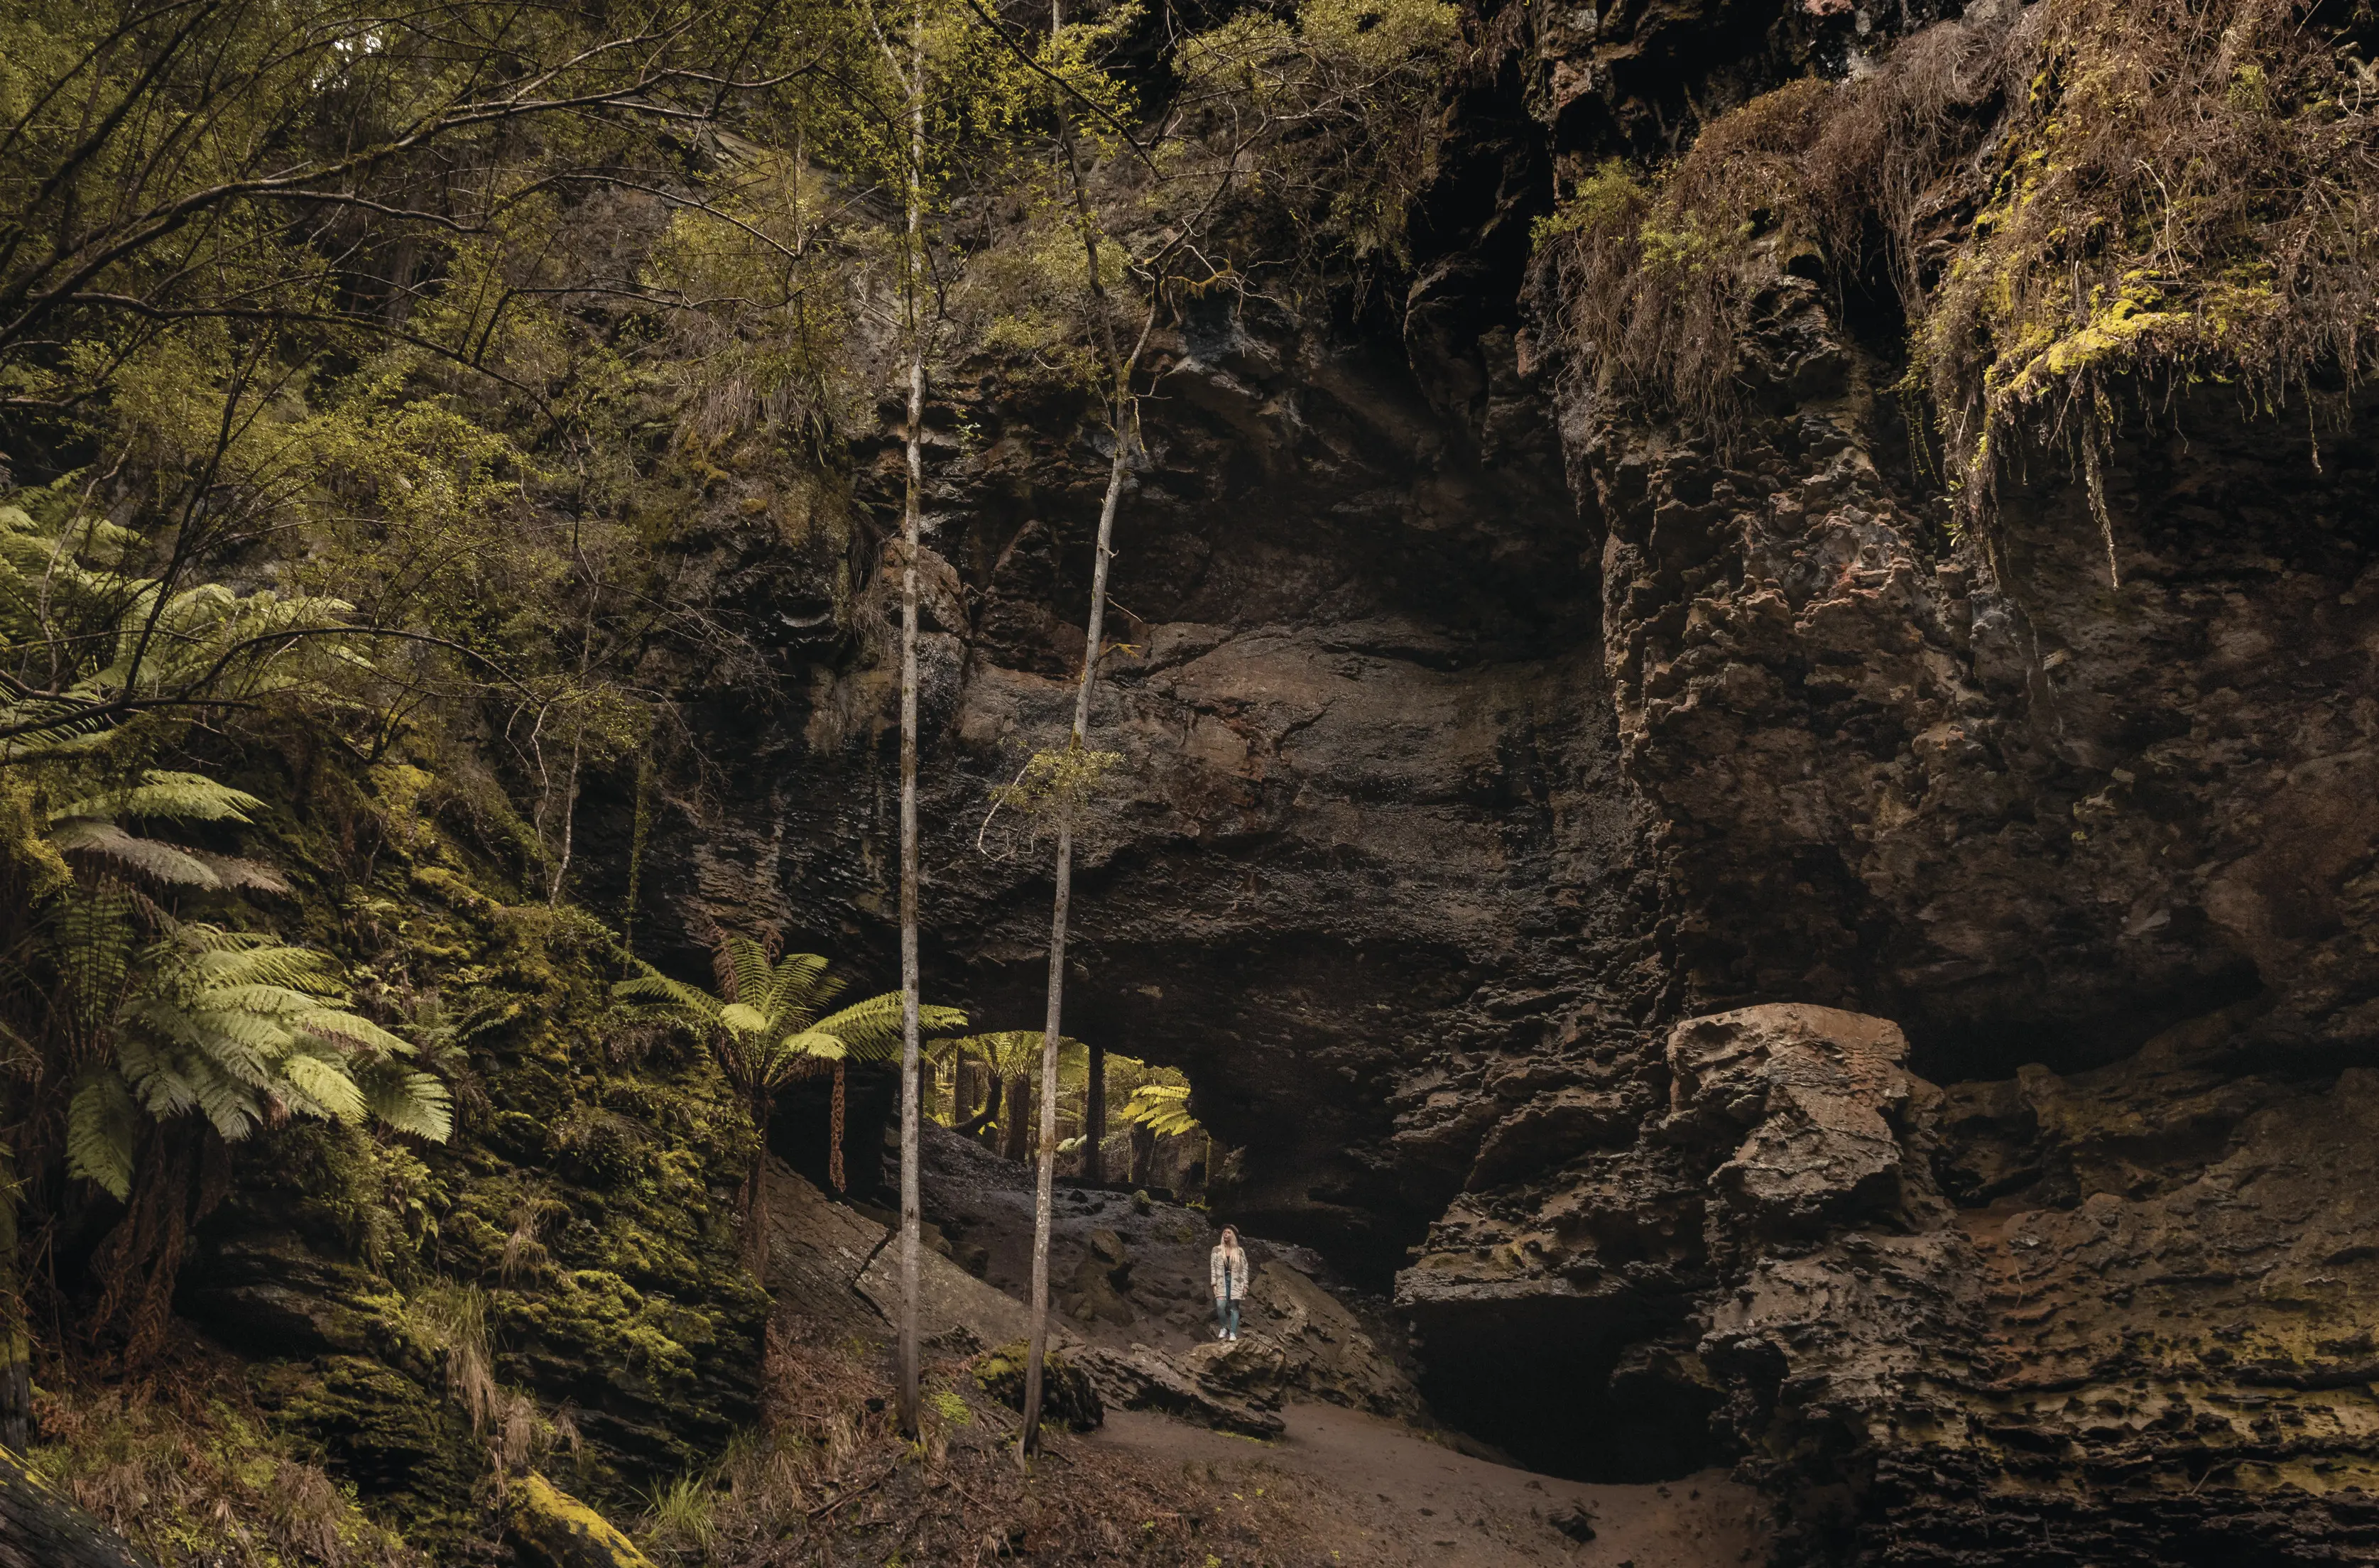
<point>1066,1393</point>
<point>563,1532</point>
<point>587,1197</point>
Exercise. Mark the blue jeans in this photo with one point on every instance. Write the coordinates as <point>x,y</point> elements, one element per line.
<point>1226,1314</point>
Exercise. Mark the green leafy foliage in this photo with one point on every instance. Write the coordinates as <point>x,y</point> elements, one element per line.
<point>768,1024</point>
<point>1163,1108</point>
<point>236,1029</point>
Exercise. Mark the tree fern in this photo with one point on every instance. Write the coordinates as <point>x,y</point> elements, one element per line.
<point>1163,1108</point>
<point>235,1028</point>
<point>763,1026</point>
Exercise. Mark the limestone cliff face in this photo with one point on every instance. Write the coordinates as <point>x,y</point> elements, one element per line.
<point>1811,996</point>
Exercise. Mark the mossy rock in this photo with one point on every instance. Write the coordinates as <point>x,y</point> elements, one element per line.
<point>562,1532</point>
<point>407,1450</point>
<point>40,1526</point>
<point>1066,1393</point>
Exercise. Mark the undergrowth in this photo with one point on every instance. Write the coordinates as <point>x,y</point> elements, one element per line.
<point>828,1480</point>
<point>2082,208</point>
<point>189,1470</point>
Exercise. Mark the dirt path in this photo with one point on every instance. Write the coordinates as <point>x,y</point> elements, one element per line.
<point>1346,1488</point>
<point>1396,1499</point>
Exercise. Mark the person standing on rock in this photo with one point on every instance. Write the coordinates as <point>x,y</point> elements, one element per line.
<point>1226,1269</point>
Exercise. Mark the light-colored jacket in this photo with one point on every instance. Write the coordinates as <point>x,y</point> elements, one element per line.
<point>1234,1259</point>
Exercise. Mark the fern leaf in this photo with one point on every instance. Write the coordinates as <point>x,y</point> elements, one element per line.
<point>746,974</point>
<point>351,1030</point>
<point>152,858</point>
<point>1163,1108</point>
<point>101,1126</point>
<point>326,1084</point>
<point>797,988</point>
<point>411,1103</point>
<point>94,951</point>
<point>872,1029</point>
<point>174,797</point>
<point>687,1004</point>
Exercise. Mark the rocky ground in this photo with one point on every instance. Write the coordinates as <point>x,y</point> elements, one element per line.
<point>1309,1423</point>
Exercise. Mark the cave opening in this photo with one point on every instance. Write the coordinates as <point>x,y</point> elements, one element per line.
<point>1564,1389</point>
<point>1959,1042</point>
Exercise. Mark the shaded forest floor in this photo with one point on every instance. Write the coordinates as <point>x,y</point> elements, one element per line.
<point>1339,1488</point>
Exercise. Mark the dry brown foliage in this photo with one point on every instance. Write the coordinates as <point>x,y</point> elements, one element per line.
<point>184,1465</point>
<point>2074,204</point>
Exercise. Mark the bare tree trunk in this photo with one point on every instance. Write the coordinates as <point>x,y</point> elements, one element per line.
<point>910,543</point>
<point>1143,1154</point>
<point>837,1132</point>
<point>1119,392</point>
<point>16,1340</point>
<point>1095,1118</point>
<point>756,1201</point>
<point>1015,1117</point>
<point>961,1092</point>
<point>568,825</point>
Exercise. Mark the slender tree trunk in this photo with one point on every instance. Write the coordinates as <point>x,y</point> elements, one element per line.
<point>1095,1118</point>
<point>16,1340</point>
<point>1015,1118</point>
<point>1143,1154</point>
<point>1118,395</point>
<point>838,1123</point>
<point>961,1092</point>
<point>568,825</point>
<point>911,544</point>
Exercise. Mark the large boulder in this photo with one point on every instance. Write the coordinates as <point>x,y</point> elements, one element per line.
<point>1142,1379</point>
<point>1817,1098</point>
<point>1066,1394</point>
<point>1310,1344</point>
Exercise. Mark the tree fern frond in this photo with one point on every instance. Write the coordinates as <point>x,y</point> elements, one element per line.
<point>690,1004</point>
<point>233,1108</point>
<point>174,797</point>
<point>350,1031</point>
<point>248,876</point>
<point>94,951</point>
<point>230,957</point>
<point>872,1029</point>
<point>152,858</point>
<point>799,986</point>
<point>209,1029</point>
<point>816,1046</point>
<point>747,971</point>
<point>327,1084</point>
<point>412,1102</point>
<point>1163,1108</point>
<point>101,1125</point>
<point>154,1078</point>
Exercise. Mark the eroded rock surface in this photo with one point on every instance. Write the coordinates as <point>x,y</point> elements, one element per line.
<point>1533,810</point>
